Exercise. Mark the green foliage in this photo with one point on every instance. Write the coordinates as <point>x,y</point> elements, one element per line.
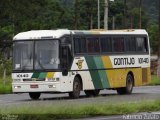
<point>23,15</point>
<point>6,32</point>
<point>155,80</point>
<point>5,89</point>
<point>5,64</point>
<point>153,34</point>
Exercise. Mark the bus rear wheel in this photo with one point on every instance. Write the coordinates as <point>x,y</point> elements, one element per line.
<point>34,95</point>
<point>129,86</point>
<point>90,93</point>
<point>76,88</point>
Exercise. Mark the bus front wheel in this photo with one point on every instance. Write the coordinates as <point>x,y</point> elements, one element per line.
<point>129,86</point>
<point>34,95</point>
<point>76,88</point>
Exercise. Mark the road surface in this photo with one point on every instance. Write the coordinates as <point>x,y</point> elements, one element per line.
<point>109,96</point>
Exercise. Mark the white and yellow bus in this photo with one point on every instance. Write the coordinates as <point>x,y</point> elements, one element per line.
<point>70,61</point>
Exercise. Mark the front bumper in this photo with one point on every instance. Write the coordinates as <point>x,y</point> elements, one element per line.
<point>36,87</point>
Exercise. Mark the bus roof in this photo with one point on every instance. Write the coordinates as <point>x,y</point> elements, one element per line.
<point>41,34</point>
<point>53,34</point>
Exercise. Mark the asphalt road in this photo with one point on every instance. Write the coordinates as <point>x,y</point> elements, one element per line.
<point>109,96</point>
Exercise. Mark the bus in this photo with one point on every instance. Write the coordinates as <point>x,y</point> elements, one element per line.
<point>71,61</point>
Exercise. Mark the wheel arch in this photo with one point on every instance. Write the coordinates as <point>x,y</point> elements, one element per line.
<point>80,78</point>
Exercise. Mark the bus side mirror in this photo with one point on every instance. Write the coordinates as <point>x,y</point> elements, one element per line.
<point>64,60</point>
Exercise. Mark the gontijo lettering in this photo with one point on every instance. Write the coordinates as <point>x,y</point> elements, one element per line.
<point>124,61</point>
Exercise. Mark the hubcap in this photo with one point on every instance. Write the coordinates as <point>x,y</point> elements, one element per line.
<point>130,84</point>
<point>76,86</point>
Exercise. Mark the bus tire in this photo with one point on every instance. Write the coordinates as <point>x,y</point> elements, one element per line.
<point>129,86</point>
<point>34,95</point>
<point>76,88</point>
<point>90,93</point>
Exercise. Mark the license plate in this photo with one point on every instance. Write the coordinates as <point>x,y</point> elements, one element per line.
<point>33,86</point>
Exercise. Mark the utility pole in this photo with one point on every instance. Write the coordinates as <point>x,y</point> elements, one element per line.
<point>140,14</point>
<point>106,14</point>
<point>159,30</point>
<point>125,11</point>
<point>113,22</point>
<point>98,15</point>
<point>76,12</point>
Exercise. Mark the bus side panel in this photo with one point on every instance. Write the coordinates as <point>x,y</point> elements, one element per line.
<point>80,67</point>
<point>116,77</point>
<point>137,75</point>
<point>146,76</point>
<point>90,68</point>
<point>149,75</point>
<point>67,82</point>
<point>86,80</point>
<point>97,72</point>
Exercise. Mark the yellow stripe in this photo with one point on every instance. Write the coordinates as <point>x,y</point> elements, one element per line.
<point>106,62</point>
<point>109,73</point>
<point>50,74</point>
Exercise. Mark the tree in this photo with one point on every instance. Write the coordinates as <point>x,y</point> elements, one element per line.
<point>153,35</point>
<point>116,9</point>
<point>85,12</point>
<point>159,31</point>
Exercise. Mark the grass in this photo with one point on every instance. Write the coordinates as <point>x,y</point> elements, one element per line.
<point>39,112</point>
<point>5,88</point>
<point>155,80</point>
<point>51,111</point>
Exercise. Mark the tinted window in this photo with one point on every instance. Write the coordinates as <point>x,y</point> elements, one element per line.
<point>130,43</point>
<point>142,45</point>
<point>80,45</point>
<point>118,44</point>
<point>106,44</point>
<point>93,45</point>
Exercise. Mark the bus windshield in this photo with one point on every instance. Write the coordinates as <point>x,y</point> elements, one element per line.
<point>46,54</point>
<point>38,55</point>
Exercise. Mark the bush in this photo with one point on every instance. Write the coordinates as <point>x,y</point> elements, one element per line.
<point>5,89</point>
<point>5,64</point>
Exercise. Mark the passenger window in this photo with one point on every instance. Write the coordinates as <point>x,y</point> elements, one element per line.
<point>106,44</point>
<point>142,45</point>
<point>118,44</point>
<point>80,45</point>
<point>130,44</point>
<point>93,45</point>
